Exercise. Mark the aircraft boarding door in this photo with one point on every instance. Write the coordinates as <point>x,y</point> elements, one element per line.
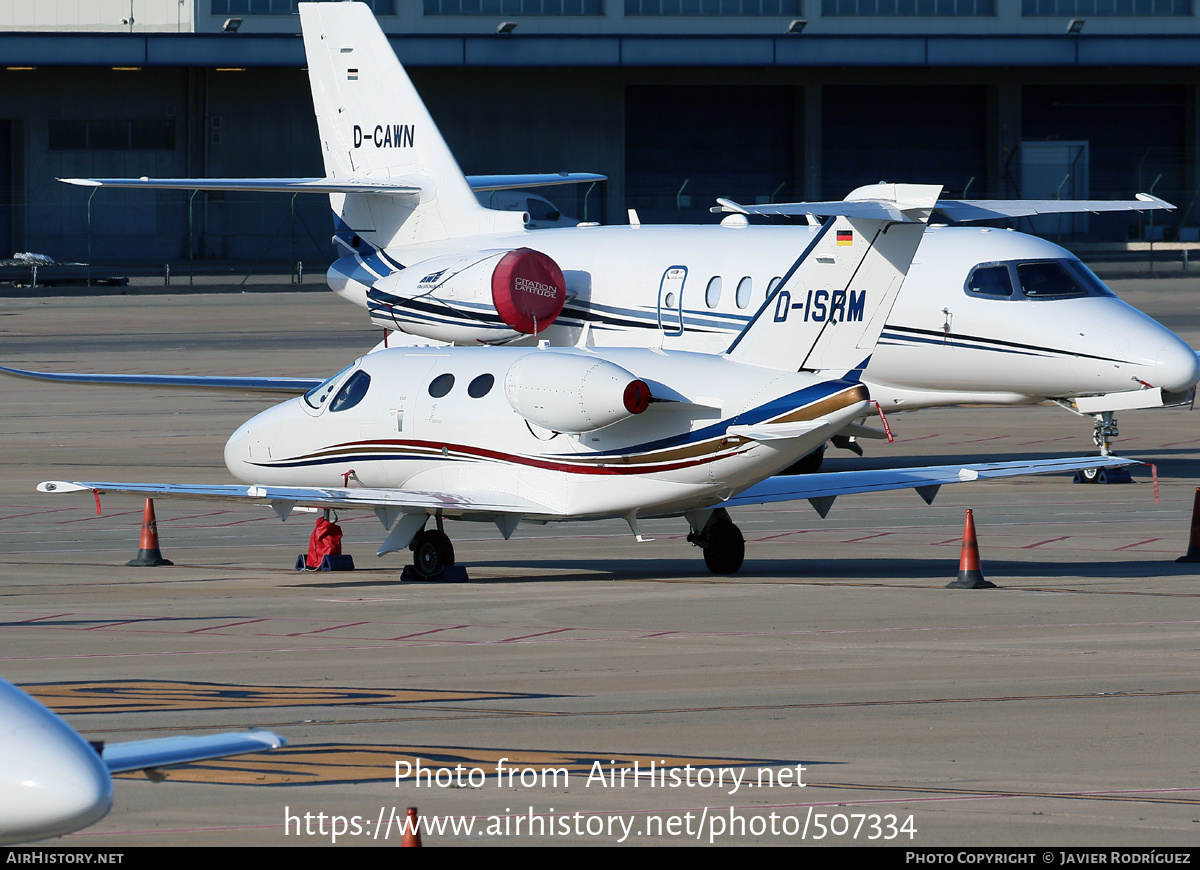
<point>670,300</point>
<point>1055,170</point>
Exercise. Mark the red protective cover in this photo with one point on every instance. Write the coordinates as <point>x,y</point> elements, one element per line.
<point>326,540</point>
<point>528,290</point>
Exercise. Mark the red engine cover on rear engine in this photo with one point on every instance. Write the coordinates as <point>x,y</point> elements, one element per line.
<point>528,290</point>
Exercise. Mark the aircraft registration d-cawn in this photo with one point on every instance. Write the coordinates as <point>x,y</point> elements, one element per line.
<point>987,315</point>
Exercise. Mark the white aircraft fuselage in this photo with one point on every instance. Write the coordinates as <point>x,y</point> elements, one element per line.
<point>563,429</point>
<point>944,343</point>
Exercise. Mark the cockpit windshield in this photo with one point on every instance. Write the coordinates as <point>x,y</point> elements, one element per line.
<point>1042,279</point>
<point>319,395</point>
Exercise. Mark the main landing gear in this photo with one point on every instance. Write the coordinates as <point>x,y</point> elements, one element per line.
<point>433,556</point>
<point>722,542</point>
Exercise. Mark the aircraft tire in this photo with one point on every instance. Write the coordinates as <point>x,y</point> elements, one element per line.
<point>432,553</point>
<point>725,550</point>
<point>1089,475</point>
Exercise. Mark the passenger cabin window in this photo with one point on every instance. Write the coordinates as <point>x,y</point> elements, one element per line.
<point>712,293</point>
<point>481,386</point>
<point>990,281</point>
<point>441,385</point>
<point>352,392</point>
<point>745,288</point>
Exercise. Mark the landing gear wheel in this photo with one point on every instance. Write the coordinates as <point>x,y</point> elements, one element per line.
<point>432,553</point>
<point>1089,475</point>
<point>725,549</point>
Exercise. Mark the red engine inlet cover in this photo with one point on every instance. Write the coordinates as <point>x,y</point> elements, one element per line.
<point>528,290</point>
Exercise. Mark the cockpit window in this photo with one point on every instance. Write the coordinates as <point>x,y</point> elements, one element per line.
<point>1089,279</point>
<point>990,281</point>
<point>1048,280</point>
<point>319,395</point>
<point>352,392</point>
<point>1043,279</point>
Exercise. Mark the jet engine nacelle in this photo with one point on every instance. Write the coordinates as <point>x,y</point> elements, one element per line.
<point>477,297</point>
<point>574,393</point>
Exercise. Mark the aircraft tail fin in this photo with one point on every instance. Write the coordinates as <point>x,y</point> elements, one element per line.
<point>830,308</point>
<point>373,127</point>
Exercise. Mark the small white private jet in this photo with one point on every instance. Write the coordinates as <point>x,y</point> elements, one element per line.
<point>518,434</point>
<point>53,782</point>
<point>987,316</point>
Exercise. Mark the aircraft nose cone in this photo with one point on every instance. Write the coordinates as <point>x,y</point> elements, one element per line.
<point>1177,367</point>
<point>52,782</point>
<point>237,453</point>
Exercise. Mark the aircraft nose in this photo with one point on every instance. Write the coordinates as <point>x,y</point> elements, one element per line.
<point>52,782</point>
<point>1177,367</point>
<point>237,452</point>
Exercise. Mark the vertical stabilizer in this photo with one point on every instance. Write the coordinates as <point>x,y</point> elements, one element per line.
<point>373,124</point>
<point>828,311</point>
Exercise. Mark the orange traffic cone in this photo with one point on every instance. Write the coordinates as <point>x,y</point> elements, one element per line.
<point>149,556</point>
<point>1193,553</point>
<point>969,574</point>
<point>412,831</point>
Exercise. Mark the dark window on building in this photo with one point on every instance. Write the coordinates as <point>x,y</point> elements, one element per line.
<point>754,8</point>
<point>514,7</point>
<point>284,7</point>
<point>112,135</point>
<point>1101,8</point>
<point>907,8</point>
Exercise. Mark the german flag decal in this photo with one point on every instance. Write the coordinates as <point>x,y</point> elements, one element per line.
<point>845,237</point>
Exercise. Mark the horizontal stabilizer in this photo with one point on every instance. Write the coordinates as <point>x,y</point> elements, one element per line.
<point>816,486</point>
<point>352,184</point>
<point>873,202</point>
<point>776,431</point>
<point>168,751</point>
<point>294,386</point>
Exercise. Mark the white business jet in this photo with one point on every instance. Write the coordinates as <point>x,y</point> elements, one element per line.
<point>518,434</point>
<point>53,782</point>
<point>987,316</point>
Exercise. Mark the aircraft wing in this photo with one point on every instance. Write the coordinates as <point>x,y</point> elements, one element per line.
<point>295,386</point>
<point>284,498</point>
<point>168,751</point>
<point>822,489</point>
